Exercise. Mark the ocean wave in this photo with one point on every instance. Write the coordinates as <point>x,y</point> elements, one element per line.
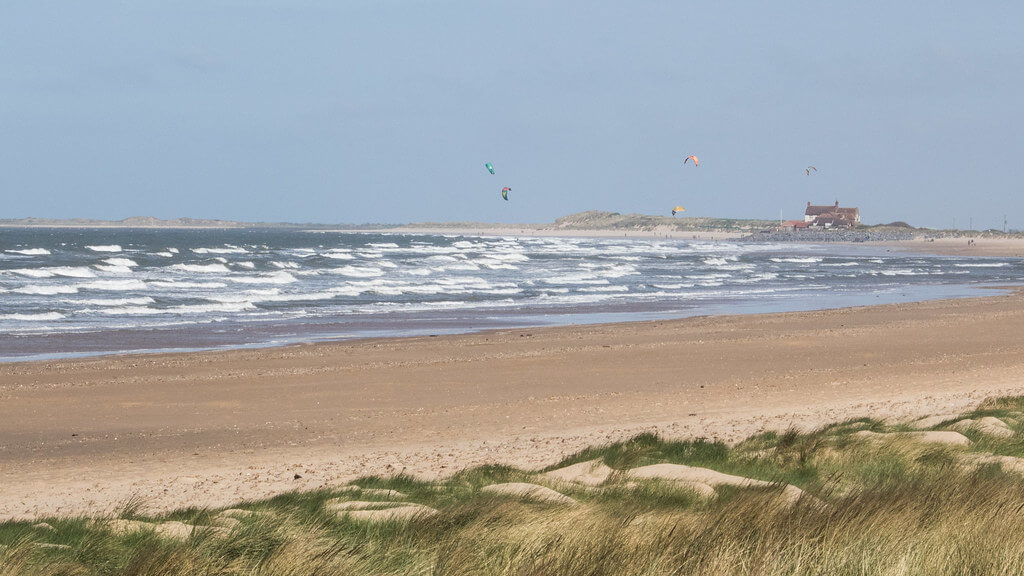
<point>982,265</point>
<point>807,260</point>
<point>272,278</point>
<point>30,252</point>
<point>338,255</point>
<point>183,310</point>
<point>40,317</point>
<point>201,268</point>
<point>184,285</point>
<point>223,250</point>
<point>32,272</point>
<point>114,301</point>
<point>290,265</point>
<point>127,262</point>
<point>51,271</point>
<point>357,271</point>
<point>114,269</point>
<point>113,285</point>
<point>105,248</point>
<point>45,290</point>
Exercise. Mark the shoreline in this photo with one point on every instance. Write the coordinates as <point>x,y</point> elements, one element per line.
<point>213,428</point>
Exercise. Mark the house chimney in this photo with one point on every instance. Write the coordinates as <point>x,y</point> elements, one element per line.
<point>808,204</point>
<point>837,203</point>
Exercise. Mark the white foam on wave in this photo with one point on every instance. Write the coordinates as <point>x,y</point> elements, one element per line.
<point>358,271</point>
<point>841,264</point>
<point>186,309</point>
<point>272,278</point>
<point>30,252</point>
<point>105,248</point>
<point>460,267</point>
<point>114,301</point>
<point>226,249</point>
<point>184,284</point>
<point>604,289</point>
<point>716,261</point>
<point>127,262</point>
<point>383,245</point>
<point>440,259</point>
<point>982,265</point>
<point>32,272</point>
<point>201,268</point>
<point>573,279</point>
<point>113,285</point>
<point>245,264</point>
<point>114,269</point>
<point>165,254</point>
<point>807,260</point>
<point>40,317</point>
<point>45,290</point>
<point>494,264</point>
<point>338,255</point>
<point>418,271</point>
<point>290,265</point>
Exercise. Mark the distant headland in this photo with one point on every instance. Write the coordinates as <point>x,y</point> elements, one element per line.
<point>593,221</point>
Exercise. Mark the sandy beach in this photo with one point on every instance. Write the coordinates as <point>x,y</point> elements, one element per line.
<point>209,429</point>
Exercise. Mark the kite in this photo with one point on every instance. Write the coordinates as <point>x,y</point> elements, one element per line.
<point>490,167</point>
<point>678,209</point>
<point>808,170</point>
<point>505,191</point>
<point>695,161</point>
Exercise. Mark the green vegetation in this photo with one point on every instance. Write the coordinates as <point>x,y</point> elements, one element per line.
<point>597,220</point>
<point>878,498</point>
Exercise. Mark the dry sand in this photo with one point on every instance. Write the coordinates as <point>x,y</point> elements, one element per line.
<point>211,429</point>
<point>992,247</point>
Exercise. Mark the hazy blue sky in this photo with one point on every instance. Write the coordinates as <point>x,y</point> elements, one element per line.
<point>386,110</point>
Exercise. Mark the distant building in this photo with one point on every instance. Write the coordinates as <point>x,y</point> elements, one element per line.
<point>792,225</point>
<point>831,216</point>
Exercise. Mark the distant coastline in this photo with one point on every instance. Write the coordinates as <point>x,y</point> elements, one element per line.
<point>592,223</point>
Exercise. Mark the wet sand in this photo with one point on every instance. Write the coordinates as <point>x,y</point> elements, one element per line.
<point>210,429</point>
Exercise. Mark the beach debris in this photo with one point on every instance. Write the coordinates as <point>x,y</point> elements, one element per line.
<point>505,191</point>
<point>44,526</point>
<point>529,492</point>
<point>937,437</point>
<point>678,209</point>
<point>696,162</point>
<point>296,477</point>
<point>808,170</point>
<point>987,425</point>
<point>490,167</point>
<point>591,473</point>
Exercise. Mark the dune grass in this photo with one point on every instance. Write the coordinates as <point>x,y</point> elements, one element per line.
<point>890,504</point>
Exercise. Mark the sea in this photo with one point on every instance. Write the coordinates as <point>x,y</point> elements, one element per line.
<point>79,292</point>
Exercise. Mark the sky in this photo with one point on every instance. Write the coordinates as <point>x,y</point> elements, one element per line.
<point>385,111</point>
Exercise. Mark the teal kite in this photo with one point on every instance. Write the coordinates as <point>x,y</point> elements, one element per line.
<point>490,167</point>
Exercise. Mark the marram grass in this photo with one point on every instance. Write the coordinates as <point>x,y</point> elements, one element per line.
<point>881,505</point>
